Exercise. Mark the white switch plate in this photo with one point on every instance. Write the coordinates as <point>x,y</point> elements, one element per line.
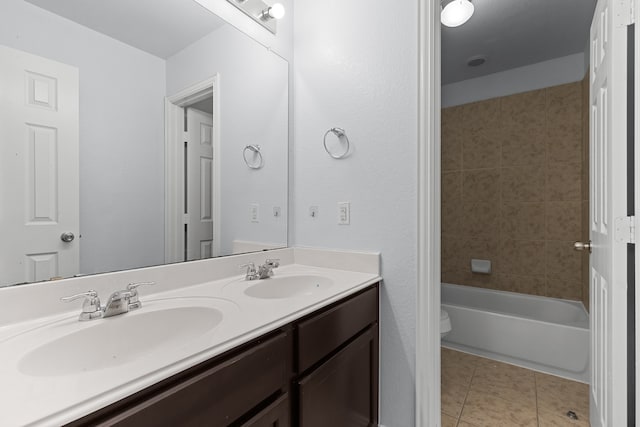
<point>344,213</point>
<point>313,212</point>
<point>276,211</point>
<point>254,212</point>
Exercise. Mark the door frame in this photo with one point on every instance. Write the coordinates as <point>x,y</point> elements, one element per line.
<point>427,369</point>
<point>174,165</point>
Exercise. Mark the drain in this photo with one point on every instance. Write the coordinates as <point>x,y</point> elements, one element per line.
<point>572,415</point>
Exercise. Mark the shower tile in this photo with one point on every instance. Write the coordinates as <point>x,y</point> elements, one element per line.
<point>557,395</point>
<point>481,149</point>
<point>451,202</point>
<point>482,115</point>
<point>562,261</point>
<point>523,184</point>
<point>564,101</point>
<point>452,253</point>
<point>484,281</point>
<point>480,219</point>
<point>448,421</point>
<point>522,220</point>
<point>546,419</point>
<point>455,277</point>
<point>523,146</point>
<point>451,186</point>
<point>484,410</point>
<point>565,289</point>
<point>564,181</point>
<point>585,221</point>
<point>452,135</point>
<point>505,381</point>
<point>531,285</point>
<point>524,110</point>
<point>522,257</point>
<point>564,220</point>
<point>481,185</point>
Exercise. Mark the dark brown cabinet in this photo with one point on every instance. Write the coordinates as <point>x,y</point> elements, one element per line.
<point>320,370</point>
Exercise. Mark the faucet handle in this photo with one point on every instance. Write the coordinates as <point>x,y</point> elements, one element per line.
<point>273,263</point>
<point>251,267</point>
<point>134,302</point>
<point>91,308</point>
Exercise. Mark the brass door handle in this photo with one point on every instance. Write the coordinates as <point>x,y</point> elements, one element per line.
<point>581,246</point>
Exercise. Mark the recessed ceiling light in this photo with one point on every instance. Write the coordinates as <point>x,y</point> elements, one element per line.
<point>455,12</point>
<point>476,61</point>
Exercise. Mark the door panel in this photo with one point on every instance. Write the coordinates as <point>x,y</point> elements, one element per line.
<point>608,85</point>
<point>39,171</point>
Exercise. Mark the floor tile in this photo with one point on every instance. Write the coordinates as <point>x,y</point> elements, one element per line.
<point>546,419</point>
<point>558,395</point>
<point>452,397</point>
<point>448,421</point>
<point>483,410</point>
<point>505,381</point>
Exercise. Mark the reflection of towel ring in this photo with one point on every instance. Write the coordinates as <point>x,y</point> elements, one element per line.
<point>340,134</point>
<point>256,150</point>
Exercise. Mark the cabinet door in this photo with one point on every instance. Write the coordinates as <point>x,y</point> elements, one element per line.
<point>343,390</point>
<point>274,415</point>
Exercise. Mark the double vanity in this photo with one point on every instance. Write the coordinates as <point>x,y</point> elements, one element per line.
<point>203,346</point>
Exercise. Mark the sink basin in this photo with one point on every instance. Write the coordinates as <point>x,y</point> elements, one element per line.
<point>288,286</point>
<point>159,327</point>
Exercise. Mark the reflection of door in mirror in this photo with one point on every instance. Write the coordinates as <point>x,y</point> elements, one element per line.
<point>39,207</point>
<point>199,179</point>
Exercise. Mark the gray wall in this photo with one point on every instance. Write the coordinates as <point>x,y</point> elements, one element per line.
<point>356,67</point>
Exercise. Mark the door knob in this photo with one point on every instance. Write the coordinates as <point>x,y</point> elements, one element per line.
<point>581,246</point>
<point>67,237</point>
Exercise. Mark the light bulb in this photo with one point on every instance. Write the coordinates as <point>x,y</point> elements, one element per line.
<point>276,11</point>
<point>456,13</point>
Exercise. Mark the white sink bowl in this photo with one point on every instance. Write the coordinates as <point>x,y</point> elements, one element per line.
<point>159,326</point>
<point>288,286</point>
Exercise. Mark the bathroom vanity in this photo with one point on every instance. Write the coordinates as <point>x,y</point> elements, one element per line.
<point>300,348</point>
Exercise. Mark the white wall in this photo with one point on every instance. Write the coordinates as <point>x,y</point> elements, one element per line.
<point>523,79</point>
<point>121,135</point>
<point>356,68</point>
<point>253,110</point>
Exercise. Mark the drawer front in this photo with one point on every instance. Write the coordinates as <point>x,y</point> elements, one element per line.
<point>217,396</point>
<point>323,333</point>
<point>342,391</point>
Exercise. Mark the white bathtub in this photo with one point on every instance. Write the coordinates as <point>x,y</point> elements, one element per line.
<point>544,334</point>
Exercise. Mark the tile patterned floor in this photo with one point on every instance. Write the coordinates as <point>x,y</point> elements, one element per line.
<point>479,392</point>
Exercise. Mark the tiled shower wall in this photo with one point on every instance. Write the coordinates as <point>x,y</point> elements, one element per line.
<point>512,192</point>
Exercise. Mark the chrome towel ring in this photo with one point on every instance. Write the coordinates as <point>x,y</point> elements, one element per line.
<point>257,155</point>
<point>342,136</point>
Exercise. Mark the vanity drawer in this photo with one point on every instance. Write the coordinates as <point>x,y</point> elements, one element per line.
<point>217,396</point>
<point>321,334</point>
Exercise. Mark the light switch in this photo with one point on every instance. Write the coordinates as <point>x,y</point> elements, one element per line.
<point>254,212</point>
<point>344,213</point>
<point>276,211</point>
<point>313,212</point>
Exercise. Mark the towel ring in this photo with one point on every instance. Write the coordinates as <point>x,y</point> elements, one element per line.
<point>339,133</point>
<point>255,149</point>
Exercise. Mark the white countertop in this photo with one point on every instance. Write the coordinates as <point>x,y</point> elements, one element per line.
<point>42,399</point>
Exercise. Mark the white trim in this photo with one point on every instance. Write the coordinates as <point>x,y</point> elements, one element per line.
<point>174,165</point>
<point>636,179</point>
<point>428,289</point>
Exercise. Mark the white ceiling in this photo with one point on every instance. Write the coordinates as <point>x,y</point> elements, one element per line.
<point>514,33</point>
<point>160,27</point>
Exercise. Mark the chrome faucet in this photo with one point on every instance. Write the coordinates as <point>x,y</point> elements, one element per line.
<point>119,302</point>
<point>263,271</point>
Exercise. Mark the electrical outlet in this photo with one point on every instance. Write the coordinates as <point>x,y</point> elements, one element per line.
<point>276,211</point>
<point>344,213</point>
<point>313,212</point>
<point>254,212</point>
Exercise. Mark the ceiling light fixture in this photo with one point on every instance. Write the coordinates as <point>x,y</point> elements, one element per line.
<point>455,12</point>
<point>261,12</point>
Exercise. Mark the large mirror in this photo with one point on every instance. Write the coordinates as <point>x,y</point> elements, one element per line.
<point>134,135</point>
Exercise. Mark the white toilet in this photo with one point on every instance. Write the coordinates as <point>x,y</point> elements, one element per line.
<point>445,323</point>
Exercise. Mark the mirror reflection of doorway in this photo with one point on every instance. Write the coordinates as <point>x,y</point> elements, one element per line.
<point>192,184</point>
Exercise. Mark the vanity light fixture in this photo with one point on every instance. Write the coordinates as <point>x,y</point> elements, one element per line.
<point>455,12</point>
<point>261,12</point>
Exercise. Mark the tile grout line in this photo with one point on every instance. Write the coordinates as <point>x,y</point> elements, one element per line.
<point>464,402</point>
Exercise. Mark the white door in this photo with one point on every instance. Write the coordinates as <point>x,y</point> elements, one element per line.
<point>39,191</point>
<point>199,176</point>
<point>608,209</point>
